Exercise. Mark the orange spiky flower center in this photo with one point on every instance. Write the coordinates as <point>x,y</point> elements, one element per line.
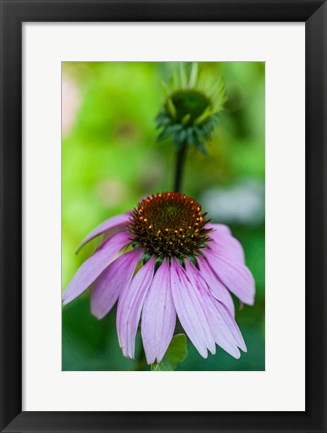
<point>169,224</point>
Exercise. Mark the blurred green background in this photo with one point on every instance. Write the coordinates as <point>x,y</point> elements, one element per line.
<point>110,159</point>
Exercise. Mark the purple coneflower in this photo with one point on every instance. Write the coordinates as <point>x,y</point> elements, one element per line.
<point>162,260</point>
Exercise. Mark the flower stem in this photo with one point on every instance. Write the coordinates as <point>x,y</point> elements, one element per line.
<point>180,162</point>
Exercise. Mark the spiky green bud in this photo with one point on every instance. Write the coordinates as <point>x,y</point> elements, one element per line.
<point>191,108</point>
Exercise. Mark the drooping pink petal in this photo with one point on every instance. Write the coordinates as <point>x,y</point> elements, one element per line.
<point>226,246</point>
<point>158,316</point>
<point>190,310</point>
<point>220,228</point>
<point>94,266</point>
<point>113,224</point>
<point>231,324</point>
<point>216,287</point>
<point>112,282</point>
<point>223,326</point>
<point>235,276</point>
<point>130,305</point>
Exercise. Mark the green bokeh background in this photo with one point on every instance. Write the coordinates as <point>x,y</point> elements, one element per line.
<point>110,159</point>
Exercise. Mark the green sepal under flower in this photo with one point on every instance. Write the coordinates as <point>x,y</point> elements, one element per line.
<point>191,108</point>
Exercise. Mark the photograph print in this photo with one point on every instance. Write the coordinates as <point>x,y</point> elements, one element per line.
<point>163,216</point>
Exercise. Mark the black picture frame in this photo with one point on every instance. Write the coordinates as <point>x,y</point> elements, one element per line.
<point>13,14</point>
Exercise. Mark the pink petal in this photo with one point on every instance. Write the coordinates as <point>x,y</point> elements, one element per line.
<point>130,305</point>
<point>158,316</point>
<point>190,311</point>
<point>231,324</point>
<point>226,246</point>
<point>112,282</point>
<point>235,276</point>
<point>115,223</point>
<point>223,327</point>
<point>216,287</point>
<point>94,266</point>
<point>220,228</point>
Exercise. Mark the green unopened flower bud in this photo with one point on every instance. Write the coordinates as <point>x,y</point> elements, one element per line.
<point>190,111</point>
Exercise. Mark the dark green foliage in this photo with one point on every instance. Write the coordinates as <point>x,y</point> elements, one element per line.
<point>176,353</point>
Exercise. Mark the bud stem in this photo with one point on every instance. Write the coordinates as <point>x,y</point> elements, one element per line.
<point>180,162</point>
